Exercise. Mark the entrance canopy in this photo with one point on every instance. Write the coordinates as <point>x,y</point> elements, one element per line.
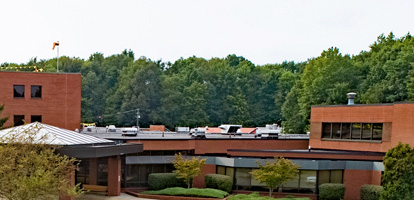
<point>70,143</point>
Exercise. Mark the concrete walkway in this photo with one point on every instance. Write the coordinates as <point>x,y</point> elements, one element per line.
<point>98,196</point>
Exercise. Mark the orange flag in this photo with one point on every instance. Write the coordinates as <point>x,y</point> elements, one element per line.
<point>55,44</point>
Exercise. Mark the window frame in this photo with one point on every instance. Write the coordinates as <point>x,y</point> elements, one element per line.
<point>31,92</point>
<point>14,120</point>
<point>14,93</point>
<point>351,138</point>
<point>34,116</point>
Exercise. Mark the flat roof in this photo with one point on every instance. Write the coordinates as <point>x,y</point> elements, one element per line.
<point>158,135</point>
<point>357,105</point>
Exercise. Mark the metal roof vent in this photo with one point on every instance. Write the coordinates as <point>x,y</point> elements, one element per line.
<point>351,96</point>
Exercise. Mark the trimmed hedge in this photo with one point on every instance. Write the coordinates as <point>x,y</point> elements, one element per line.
<point>331,191</point>
<point>159,181</point>
<point>256,196</point>
<point>191,192</point>
<point>218,181</point>
<point>371,192</point>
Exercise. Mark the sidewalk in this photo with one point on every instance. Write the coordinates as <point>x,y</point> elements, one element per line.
<point>97,196</point>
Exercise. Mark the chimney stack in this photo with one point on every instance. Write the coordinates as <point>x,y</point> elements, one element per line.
<point>351,96</point>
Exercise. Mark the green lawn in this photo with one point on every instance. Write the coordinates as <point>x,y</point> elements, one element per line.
<point>192,192</point>
<point>256,196</point>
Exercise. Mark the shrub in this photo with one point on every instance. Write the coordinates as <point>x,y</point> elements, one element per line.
<point>218,181</point>
<point>158,181</point>
<point>331,191</point>
<point>371,192</point>
<point>256,196</point>
<point>190,192</point>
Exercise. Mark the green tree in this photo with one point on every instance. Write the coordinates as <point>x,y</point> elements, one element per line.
<point>32,169</point>
<point>188,169</point>
<point>389,61</point>
<point>2,120</point>
<point>398,179</point>
<point>295,121</point>
<point>275,173</point>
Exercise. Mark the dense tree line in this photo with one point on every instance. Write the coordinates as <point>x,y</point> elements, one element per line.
<point>199,92</point>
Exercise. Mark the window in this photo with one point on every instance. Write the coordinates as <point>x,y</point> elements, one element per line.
<point>18,91</point>
<point>36,91</point>
<point>330,176</point>
<point>376,131</point>
<point>36,118</point>
<point>356,131</point>
<point>18,120</point>
<point>352,131</point>
<point>326,128</point>
<point>336,130</point>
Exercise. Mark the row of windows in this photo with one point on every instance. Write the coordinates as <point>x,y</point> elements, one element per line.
<point>36,91</point>
<point>19,119</point>
<point>305,182</point>
<point>352,131</point>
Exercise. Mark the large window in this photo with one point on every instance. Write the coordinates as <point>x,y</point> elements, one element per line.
<point>18,91</point>
<point>82,174</point>
<point>36,91</point>
<point>352,131</point>
<point>137,175</point>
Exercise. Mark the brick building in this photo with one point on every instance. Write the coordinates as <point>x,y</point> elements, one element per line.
<point>50,98</point>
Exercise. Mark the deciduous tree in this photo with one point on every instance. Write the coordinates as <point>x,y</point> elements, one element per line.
<point>188,169</point>
<point>31,169</point>
<point>275,173</point>
<point>2,120</point>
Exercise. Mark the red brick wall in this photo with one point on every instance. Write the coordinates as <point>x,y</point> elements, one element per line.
<point>59,106</point>
<point>397,118</point>
<point>403,124</point>
<point>198,181</point>
<point>299,155</point>
<point>157,128</point>
<point>165,144</point>
<point>354,179</point>
<point>221,146</point>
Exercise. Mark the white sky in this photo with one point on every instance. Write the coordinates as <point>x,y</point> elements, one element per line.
<point>261,31</point>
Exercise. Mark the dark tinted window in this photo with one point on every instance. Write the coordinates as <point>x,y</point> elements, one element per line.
<point>353,131</point>
<point>336,130</point>
<point>36,118</point>
<point>346,131</point>
<point>377,131</point>
<point>18,91</point>
<point>356,131</point>
<point>326,130</point>
<point>18,120</point>
<point>366,131</point>
<point>36,91</point>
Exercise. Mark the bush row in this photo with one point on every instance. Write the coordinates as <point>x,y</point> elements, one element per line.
<point>159,181</point>
<point>218,181</point>
<point>371,192</point>
<point>331,191</point>
<point>190,192</point>
<point>327,191</point>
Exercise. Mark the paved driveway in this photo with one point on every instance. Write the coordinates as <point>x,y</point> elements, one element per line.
<point>97,196</point>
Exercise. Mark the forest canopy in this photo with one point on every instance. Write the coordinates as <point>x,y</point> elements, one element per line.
<point>209,92</point>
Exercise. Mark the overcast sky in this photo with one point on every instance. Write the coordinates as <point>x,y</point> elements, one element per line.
<point>261,31</point>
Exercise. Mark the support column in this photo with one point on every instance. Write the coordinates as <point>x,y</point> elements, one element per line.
<point>93,171</point>
<point>71,179</point>
<point>114,176</point>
